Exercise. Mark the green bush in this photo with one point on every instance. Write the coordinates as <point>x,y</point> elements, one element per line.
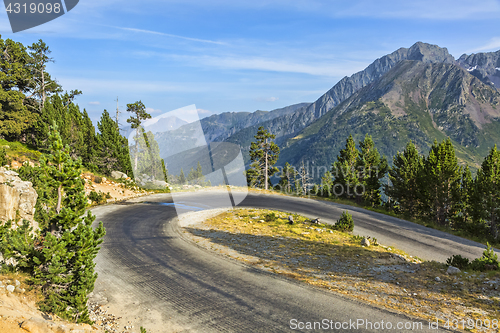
<point>271,217</point>
<point>4,160</point>
<point>458,261</point>
<point>99,198</point>
<point>489,260</point>
<point>345,223</point>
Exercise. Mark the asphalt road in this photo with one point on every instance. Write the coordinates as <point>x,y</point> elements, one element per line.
<point>147,270</point>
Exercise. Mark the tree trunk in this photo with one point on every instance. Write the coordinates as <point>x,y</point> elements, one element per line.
<point>265,171</point>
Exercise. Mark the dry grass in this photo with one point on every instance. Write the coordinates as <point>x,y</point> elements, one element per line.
<point>383,276</point>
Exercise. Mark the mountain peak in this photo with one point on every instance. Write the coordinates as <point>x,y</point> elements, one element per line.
<point>429,53</point>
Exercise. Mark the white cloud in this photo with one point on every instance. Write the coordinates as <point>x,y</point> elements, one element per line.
<point>267,99</point>
<point>492,45</point>
<point>95,103</point>
<point>204,112</point>
<point>151,110</point>
<point>169,35</point>
<point>98,85</point>
<point>275,65</point>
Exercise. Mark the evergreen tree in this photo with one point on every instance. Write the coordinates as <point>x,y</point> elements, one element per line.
<point>440,182</point>
<point>465,204</point>
<point>326,184</point>
<point>264,154</point>
<point>61,259</point>
<point>182,178</point>
<point>42,84</point>
<point>372,168</point>
<point>15,80</point>
<point>112,147</point>
<point>165,171</point>
<point>404,189</point>
<point>287,180</point>
<point>488,187</point>
<point>304,178</point>
<point>344,169</point>
<point>138,110</point>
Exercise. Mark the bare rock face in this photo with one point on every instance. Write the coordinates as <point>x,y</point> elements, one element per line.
<point>16,195</point>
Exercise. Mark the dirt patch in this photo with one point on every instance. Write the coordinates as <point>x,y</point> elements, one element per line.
<point>19,313</point>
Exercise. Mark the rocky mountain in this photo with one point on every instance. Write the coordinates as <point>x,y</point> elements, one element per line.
<point>415,100</point>
<point>485,66</point>
<point>214,128</point>
<point>289,125</point>
<point>219,127</point>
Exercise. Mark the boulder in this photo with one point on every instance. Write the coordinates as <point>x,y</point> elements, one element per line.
<point>453,270</point>
<point>16,195</point>
<point>118,175</point>
<point>365,242</point>
<point>159,183</point>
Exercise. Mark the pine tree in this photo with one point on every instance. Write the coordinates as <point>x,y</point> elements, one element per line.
<point>372,168</point>
<point>287,179</point>
<point>464,209</point>
<point>326,184</point>
<point>112,147</point>
<point>41,83</point>
<point>15,79</point>
<point>304,178</point>
<point>488,186</point>
<point>404,189</point>
<point>344,170</point>
<point>440,182</point>
<point>182,178</point>
<point>165,170</point>
<point>139,114</point>
<point>264,154</point>
<point>61,260</point>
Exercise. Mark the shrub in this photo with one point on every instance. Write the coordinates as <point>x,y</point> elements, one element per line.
<point>345,223</point>
<point>458,261</point>
<point>489,260</point>
<point>4,160</point>
<point>98,198</point>
<point>271,217</point>
<point>314,190</point>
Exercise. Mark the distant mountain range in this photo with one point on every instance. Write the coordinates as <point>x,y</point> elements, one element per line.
<point>420,93</point>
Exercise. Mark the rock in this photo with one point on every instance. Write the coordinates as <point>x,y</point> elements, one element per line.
<point>118,175</point>
<point>17,283</point>
<point>36,325</point>
<point>437,279</point>
<point>315,221</point>
<point>16,195</point>
<point>164,183</point>
<point>11,288</point>
<point>290,219</point>
<point>453,270</point>
<point>20,290</point>
<point>103,179</point>
<point>365,242</point>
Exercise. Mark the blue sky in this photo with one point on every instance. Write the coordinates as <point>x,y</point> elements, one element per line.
<point>241,55</point>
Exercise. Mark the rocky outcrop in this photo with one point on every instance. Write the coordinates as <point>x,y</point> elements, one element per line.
<point>485,66</point>
<point>17,198</point>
